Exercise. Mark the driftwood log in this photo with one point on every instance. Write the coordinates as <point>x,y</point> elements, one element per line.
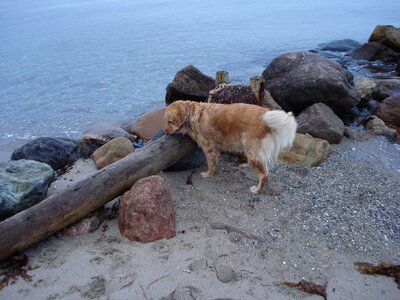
<point>60,210</point>
<point>221,77</point>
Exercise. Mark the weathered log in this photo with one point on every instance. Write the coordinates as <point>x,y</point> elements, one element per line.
<point>257,85</point>
<point>221,77</point>
<point>59,210</point>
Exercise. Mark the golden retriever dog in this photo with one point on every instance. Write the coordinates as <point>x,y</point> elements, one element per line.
<point>260,134</point>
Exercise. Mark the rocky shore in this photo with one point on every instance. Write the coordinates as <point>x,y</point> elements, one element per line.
<point>332,201</point>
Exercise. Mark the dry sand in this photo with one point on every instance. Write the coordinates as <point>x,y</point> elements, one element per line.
<point>317,222</point>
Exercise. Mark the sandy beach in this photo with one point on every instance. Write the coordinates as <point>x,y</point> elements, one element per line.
<point>315,223</point>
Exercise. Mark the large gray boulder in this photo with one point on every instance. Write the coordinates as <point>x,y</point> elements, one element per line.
<point>299,79</point>
<point>189,84</point>
<point>321,122</point>
<point>23,183</point>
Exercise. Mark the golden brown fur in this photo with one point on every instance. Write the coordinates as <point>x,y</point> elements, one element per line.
<point>244,128</point>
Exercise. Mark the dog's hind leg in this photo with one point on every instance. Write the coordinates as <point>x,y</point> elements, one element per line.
<point>262,174</point>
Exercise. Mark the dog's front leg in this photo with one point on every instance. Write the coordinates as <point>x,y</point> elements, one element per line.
<point>212,160</point>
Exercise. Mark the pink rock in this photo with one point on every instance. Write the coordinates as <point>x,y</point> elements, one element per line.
<point>86,225</point>
<point>146,125</point>
<point>146,212</point>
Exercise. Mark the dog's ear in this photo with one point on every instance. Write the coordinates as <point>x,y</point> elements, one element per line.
<point>183,115</point>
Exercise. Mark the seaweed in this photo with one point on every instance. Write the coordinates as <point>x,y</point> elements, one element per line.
<point>383,268</point>
<point>16,266</point>
<point>308,287</point>
<point>189,179</point>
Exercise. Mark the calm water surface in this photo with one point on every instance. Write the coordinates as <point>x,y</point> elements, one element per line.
<point>65,64</point>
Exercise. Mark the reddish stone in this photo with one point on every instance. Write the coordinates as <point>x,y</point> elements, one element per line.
<point>146,125</point>
<point>146,212</point>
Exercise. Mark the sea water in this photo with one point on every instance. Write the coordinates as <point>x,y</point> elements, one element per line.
<point>65,64</point>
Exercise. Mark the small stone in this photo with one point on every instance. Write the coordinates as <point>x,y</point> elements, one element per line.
<point>86,225</point>
<point>225,274</point>
<point>198,265</point>
<point>235,237</point>
<point>113,151</point>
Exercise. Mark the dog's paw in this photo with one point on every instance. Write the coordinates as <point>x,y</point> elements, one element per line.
<point>254,190</point>
<point>205,174</point>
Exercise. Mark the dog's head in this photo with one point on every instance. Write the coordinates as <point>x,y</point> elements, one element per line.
<point>177,117</point>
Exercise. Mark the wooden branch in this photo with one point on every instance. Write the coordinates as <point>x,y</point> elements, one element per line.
<point>257,85</point>
<point>221,77</point>
<point>56,212</point>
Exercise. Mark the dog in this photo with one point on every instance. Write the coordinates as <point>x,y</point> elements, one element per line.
<point>260,134</point>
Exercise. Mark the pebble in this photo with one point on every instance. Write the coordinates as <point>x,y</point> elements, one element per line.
<point>225,273</point>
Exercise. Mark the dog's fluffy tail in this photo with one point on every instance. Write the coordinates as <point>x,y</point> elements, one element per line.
<point>283,128</point>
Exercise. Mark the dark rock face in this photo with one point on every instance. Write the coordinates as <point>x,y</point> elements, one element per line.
<point>189,84</point>
<point>389,110</point>
<point>23,183</point>
<point>321,122</point>
<point>341,45</point>
<point>56,152</point>
<point>146,212</point>
<point>375,51</point>
<point>299,79</point>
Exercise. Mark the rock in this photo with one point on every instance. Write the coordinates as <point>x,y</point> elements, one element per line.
<point>85,225</point>
<point>185,293</point>
<point>398,68</point>
<point>189,84</point>
<point>299,79</point>
<point>375,51</point>
<point>225,274</point>
<point>366,88</point>
<point>341,45</point>
<point>306,151</point>
<point>23,183</point>
<point>198,265</point>
<point>377,126</point>
<point>146,125</point>
<point>146,212</point>
<point>357,134</point>
<point>387,35</point>
<point>112,151</point>
<point>56,152</point>
<point>389,110</point>
<point>236,93</point>
<point>386,88</point>
<point>188,162</point>
<point>81,169</point>
<point>321,122</point>
<point>105,132</point>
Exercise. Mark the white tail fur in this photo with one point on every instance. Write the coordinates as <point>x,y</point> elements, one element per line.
<point>283,131</point>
